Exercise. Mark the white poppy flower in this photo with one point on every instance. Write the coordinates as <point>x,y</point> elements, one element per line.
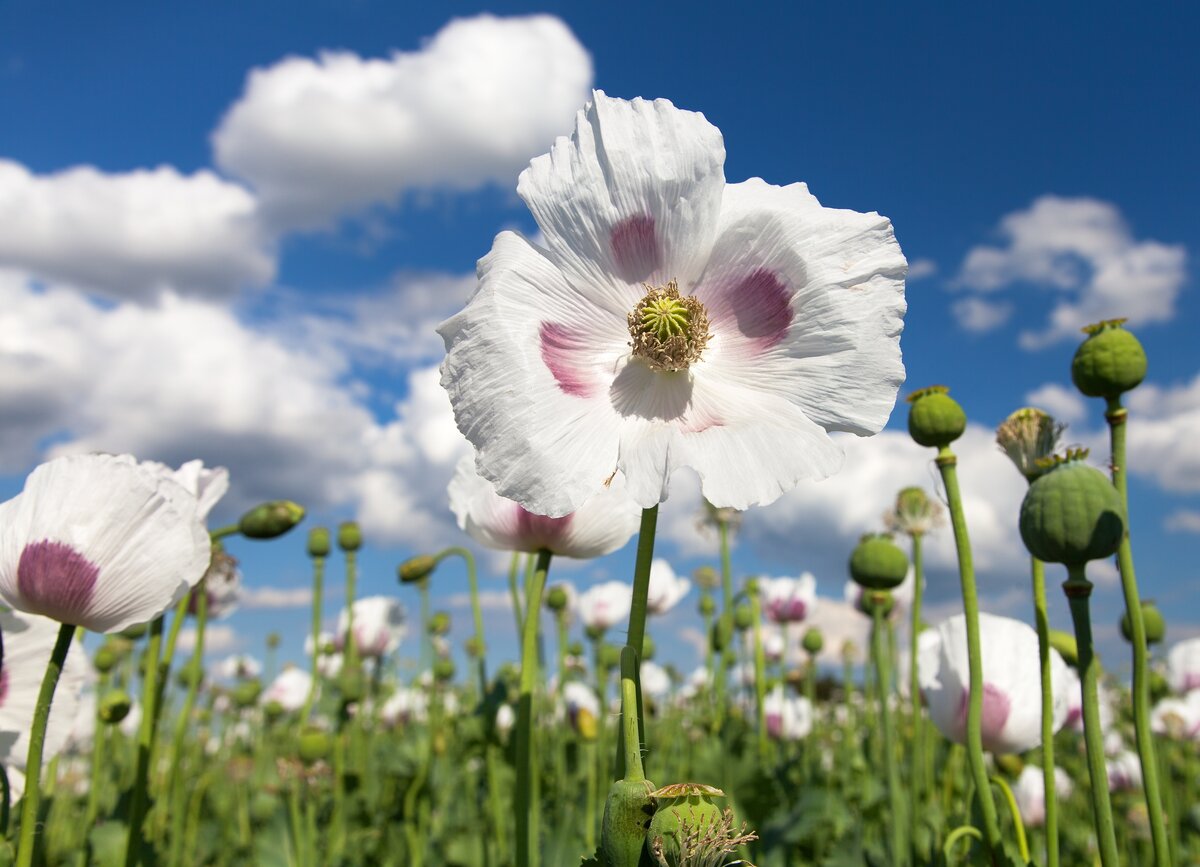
<point>378,626</point>
<point>207,484</point>
<point>666,588</point>
<point>222,586</point>
<point>1012,693</point>
<point>506,718</point>
<point>601,525</point>
<point>239,667</point>
<point>774,642</point>
<point>403,706</point>
<point>1177,718</point>
<point>576,698</point>
<point>789,717</point>
<point>289,690</point>
<point>671,320</point>
<point>603,606</point>
<point>100,542</point>
<point>656,683</point>
<point>1030,792</point>
<point>1124,771</point>
<point>1183,666</point>
<point>788,600</point>
<point>28,642</point>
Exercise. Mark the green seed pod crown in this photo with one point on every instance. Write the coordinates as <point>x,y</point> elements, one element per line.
<point>416,569</point>
<point>935,419</point>
<point>1072,514</point>
<point>1109,362</point>
<point>557,598</point>
<point>683,808</point>
<point>877,563</point>
<point>1152,619</point>
<point>439,623</point>
<point>318,542</point>
<point>813,641</point>
<point>443,669</point>
<point>349,536</point>
<point>270,520</point>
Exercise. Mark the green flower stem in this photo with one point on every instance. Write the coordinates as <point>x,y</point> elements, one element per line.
<point>637,610</point>
<point>947,464</point>
<point>514,566</point>
<point>528,854</point>
<point>194,668</point>
<point>898,824</point>
<point>850,728</point>
<point>917,758</point>
<point>1078,590</point>
<point>810,693</point>
<point>560,624</point>
<point>602,717</point>
<point>1015,811</point>
<point>224,532</point>
<point>727,612</point>
<point>1116,416</point>
<point>476,611</point>
<point>99,741</point>
<point>37,741</point>
<point>589,813</point>
<point>145,743</point>
<point>760,679</point>
<point>351,651</point>
<point>426,615</point>
<point>496,803</point>
<point>1043,632</point>
<point>632,755</point>
<point>318,592</point>
<point>708,650</point>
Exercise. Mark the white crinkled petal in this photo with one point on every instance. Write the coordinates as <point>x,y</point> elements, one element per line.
<point>140,529</point>
<point>633,196</point>
<point>605,605</point>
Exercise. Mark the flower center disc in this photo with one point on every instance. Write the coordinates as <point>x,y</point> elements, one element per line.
<point>669,330</point>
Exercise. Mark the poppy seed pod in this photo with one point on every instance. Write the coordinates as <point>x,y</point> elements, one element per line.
<point>706,577</point>
<point>271,519</point>
<point>743,616</point>
<point>107,657</point>
<point>352,684</point>
<point>813,642</point>
<point>707,605</point>
<point>877,563</point>
<point>1109,362</point>
<point>1156,627</point>
<point>722,632</point>
<point>683,809</point>
<point>557,598</point>
<point>443,670</point>
<point>1072,514</point>
<point>318,542</point>
<point>627,816</point>
<point>475,648</point>
<point>246,693</point>
<point>439,623</point>
<point>935,419</point>
<point>416,569</point>
<point>349,536</point>
<point>114,707</point>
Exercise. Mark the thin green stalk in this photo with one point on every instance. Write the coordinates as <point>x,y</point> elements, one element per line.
<point>898,824</point>
<point>637,610</point>
<point>514,566</point>
<point>1015,811</point>
<point>476,610</point>
<point>1079,590</point>
<point>947,462</point>
<point>632,759</point>
<point>99,740</point>
<point>145,744</point>
<point>426,616</point>
<point>708,650</point>
<point>602,718</point>
<point>528,854</point>
<point>496,803</point>
<point>560,624</point>
<point>37,742</point>
<point>194,670</point>
<point>351,645</point>
<point>318,593</point>
<point>1050,793</point>
<point>1116,416</point>
<point>917,758</point>
<point>726,612</point>
<point>760,678</point>
<point>810,693</point>
<point>589,813</point>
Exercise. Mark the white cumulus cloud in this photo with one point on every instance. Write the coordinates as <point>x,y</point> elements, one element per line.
<point>321,137</point>
<point>1084,252</point>
<point>1065,404</point>
<point>275,597</point>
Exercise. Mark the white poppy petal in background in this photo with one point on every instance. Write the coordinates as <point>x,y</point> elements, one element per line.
<point>788,600</point>
<point>656,683</point>
<point>289,690</point>
<point>1030,793</point>
<point>100,542</point>
<point>239,666</point>
<point>379,626</point>
<point>605,605</point>
<point>1183,666</point>
<point>666,589</point>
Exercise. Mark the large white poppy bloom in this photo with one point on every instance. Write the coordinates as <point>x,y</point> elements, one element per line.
<point>604,605</point>
<point>289,690</point>
<point>656,683</point>
<point>666,589</point>
<point>28,642</point>
<point>207,484</point>
<point>668,320</point>
<point>1012,692</point>
<point>378,626</point>
<point>788,600</point>
<point>1030,792</point>
<point>1177,718</point>
<point>1183,666</point>
<point>101,542</point>
<point>789,717</point>
<point>601,525</point>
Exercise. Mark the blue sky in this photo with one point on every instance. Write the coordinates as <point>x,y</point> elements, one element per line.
<point>1034,163</point>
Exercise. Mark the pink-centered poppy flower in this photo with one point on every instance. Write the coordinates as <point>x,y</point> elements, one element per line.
<point>101,542</point>
<point>599,526</point>
<point>222,586</point>
<point>1177,718</point>
<point>1012,693</point>
<point>603,606</point>
<point>1183,666</point>
<point>789,717</point>
<point>668,319</point>
<point>788,600</point>
<point>379,626</point>
<point>1030,792</point>
<point>666,589</point>
<point>289,689</point>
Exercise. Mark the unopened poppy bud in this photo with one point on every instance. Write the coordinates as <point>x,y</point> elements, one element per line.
<point>349,536</point>
<point>133,633</point>
<point>270,520</point>
<point>648,648</point>
<point>315,744</point>
<point>877,563</point>
<point>708,605</point>
<point>1011,764</point>
<point>751,586</point>
<point>1152,620</point>
<point>722,632</point>
<point>1064,643</point>
<point>114,707</point>
<point>351,683</point>
<point>813,641</point>
<point>439,623</point>
<point>1160,687</point>
<point>273,711</point>
<point>557,598</point>
<point>107,657</point>
<point>188,675</point>
<point>1072,514</point>
<point>610,656</point>
<point>575,648</point>
<point>706,578</point>
<point>684,810</point>
<point>1109,362</point>
<point>594,632</point>
<point>273,640</point>
<point>416,569</point>
<point>475,648</point>
<point>935,419</point>
<point>743,616</point>
<point>245,694</point>
<point>443,670</point>
<point>318,542</point>
<point>263,807</point>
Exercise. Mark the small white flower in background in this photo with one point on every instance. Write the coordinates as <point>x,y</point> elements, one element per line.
<point>1012,697</point>
<point>671,320</point>
<point>1124,771</point>
<point>404,706</point>
<point>326,642</point>
<point>1183,666</point>
<point>506,718</point>
<point>666,588</point>
<point>601,525</point>
<point>1177,718</point>
<point>289,689</point>
<point>28,642</point>
<point>656,683</point>
<point>788,600</point>
<point>789,717</point>
<point>82,732</point>
<point>222,586</point>
<point>239,667</point>
<point>1030,792</point>
<point>101,542</point>
<point>1107,702</point>
<point>133,720</point>
<point>379,626</point>
<point>603,606</point>
<point>774,642</point>
<point>577,697</point>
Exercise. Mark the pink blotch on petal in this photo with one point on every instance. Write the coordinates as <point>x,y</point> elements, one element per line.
<point>56,581</point>
<point>787,610</point>
<point>762,307</point>
<point>539,530</point>
<point>996,708</point>
<point>3,685</point>
<point>560,347</point>
<point>635,250</point>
